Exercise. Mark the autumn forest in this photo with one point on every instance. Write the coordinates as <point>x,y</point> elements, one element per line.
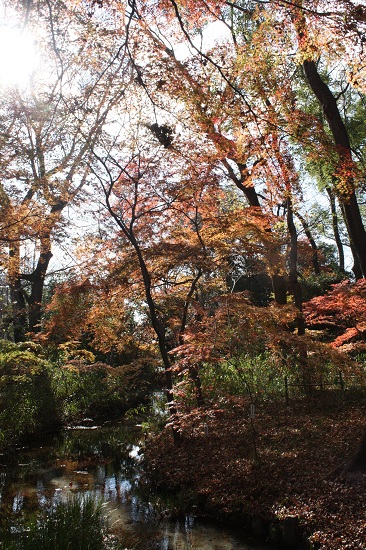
<point>182,202</point>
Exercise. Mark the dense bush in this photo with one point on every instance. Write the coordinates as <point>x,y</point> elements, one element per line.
<point>254,376</point>
<point>37,395</point>
<point>27,403</point>
<point>262,377</point>
<point>100,390</point>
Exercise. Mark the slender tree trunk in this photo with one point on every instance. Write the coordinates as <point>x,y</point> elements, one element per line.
<point>193,368</point>
<point>335,225</point>
<point>158,327</point>
<point>315,257</point>
<point>296,289</point>
<point>19,308</point>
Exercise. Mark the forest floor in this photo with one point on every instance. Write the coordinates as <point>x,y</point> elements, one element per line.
<point>271,467</point>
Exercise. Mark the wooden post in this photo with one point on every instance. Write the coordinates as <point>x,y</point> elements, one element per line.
<point>286,392</point>
<point>341,381</point>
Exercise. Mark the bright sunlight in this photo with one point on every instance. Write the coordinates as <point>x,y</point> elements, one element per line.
<point>18,56</point>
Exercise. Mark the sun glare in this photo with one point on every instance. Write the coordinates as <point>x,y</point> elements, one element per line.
<point>18,57</point>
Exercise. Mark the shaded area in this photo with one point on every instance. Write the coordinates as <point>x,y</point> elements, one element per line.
<point>102,462</point>
<point>296,447</point>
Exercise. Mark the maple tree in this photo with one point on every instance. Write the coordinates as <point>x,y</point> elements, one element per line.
<point>48,130</point>
<point>340,312</point>
<point>247,112</point>
<point>262,48</point>
<point>191,161</point>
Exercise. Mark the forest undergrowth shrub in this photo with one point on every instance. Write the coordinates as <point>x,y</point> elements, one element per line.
<point>100,390</point>
<point>26,397</point>
<point>37,395</point>
<point>264,376</point>
<point>257,377</point>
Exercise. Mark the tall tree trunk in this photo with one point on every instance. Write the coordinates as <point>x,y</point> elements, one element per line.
<point>335,226</point>
<point>193,368</point>
<point>315,257</point>
<point>350,207</point>
<point>17,295</point>
<point>156,323</point>
<point>296,289</point>
<point>295,285</point>
<point>19,309</point>
<point>278,280</point>
<point>37,279</point>
<point>159,329</point>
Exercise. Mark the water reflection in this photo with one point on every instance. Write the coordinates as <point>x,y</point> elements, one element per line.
<point>103,463</point>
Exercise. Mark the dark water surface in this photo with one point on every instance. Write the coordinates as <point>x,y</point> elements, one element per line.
<point>103,462</point>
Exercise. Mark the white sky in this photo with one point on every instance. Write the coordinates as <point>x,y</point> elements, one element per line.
<point>18,54</point>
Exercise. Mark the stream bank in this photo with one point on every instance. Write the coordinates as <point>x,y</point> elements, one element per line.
<point>268,475</point>
<point>103,462</point>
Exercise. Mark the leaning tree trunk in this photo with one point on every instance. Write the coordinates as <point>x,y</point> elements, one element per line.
<point>350,207</point>
<point>159,329</point>
<point>156,323</point>
<point>278,280</point>
<point>314,248</point>
<point>193,370</point>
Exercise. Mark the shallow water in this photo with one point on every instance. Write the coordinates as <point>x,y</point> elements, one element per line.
<point>103,461</point>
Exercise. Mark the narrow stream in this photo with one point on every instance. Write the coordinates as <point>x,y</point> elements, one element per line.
<point>104,462</point>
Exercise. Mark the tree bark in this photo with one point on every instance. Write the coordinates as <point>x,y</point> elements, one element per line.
<point>350,207</point>
<point>193,368</point>
<point>315,257</point>
<point>37,286</point>
<point>279,286</point>
<point>159,329</point>
<point>296,289</point>
<point>17,296</point>
<point>19,309</point>
<point>335,225</point>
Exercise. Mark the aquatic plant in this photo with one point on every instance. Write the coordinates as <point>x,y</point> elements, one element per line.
<point>76,524</point>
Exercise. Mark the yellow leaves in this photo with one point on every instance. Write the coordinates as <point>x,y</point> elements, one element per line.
<point>347,175</point>
<point>357,76</point>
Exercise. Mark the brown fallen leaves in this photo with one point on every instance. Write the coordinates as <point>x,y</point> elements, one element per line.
<point>297,447</point>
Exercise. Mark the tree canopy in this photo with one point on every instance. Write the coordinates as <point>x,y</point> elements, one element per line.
<point>204,165</point>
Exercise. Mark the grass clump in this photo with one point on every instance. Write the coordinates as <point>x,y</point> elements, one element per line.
<point>75,524</point>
